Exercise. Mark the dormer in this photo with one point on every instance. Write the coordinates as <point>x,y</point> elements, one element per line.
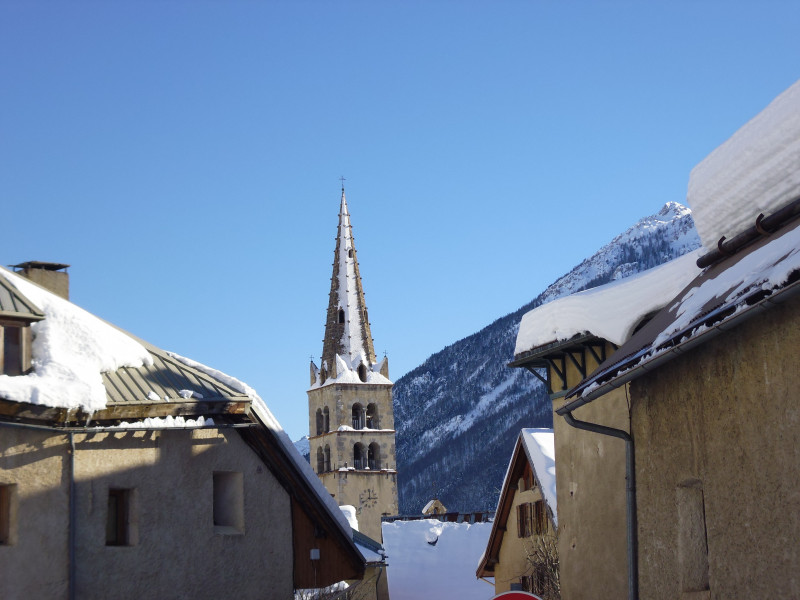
<point>16,315</point>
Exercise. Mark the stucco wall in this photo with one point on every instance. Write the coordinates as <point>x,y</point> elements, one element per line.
<point>723,419</point>
<point>513,556</point>
<point>178,553</point>
<point>590,486</point>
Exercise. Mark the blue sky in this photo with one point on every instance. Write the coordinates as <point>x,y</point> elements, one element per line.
<point>184,157</point>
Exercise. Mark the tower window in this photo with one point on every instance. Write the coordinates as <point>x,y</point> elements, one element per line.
<point>374,456</point>
<point>349,253</point>
<point>327,458</point>
<point>326,419</point>
<point>359,456</point>
<point>120,526</point>
<point>362,372</point>
<point>358,416</point>
<point>8,514</point>
<point>320,461</point>
<point>372,416</point>
<point>341,315</point>
<point>228,502</point>
<point>320,422</point>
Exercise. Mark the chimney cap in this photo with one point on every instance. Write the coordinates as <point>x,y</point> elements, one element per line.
<point>37,264</point>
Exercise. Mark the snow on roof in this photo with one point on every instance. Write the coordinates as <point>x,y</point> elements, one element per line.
<point>71,348</point>
<point>754,171</point>
<point>727,290</point>
<point>611,311</point>
<point>539,447</point>
<point>348,292</point>
<point>428,506</point>
<point>349,512</point>
<point>347,372</point>
<point>432,559</point>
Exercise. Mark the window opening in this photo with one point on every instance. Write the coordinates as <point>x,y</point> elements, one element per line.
<point>8,514</point>
<point>12,350</point>
<point>119,527</point>
<point>372,416</point>
<point>362,372</point>
<point>327,457</point>
<point>320,422</point>
<point>358,416</point>
<point>320,461</point>
<point>359,457</point>
<point>341,315</point>
<point>228,502</point>
<point>326,419</point>
<point>374,456</point>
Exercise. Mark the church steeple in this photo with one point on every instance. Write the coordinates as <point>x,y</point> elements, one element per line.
<point>347,331</point>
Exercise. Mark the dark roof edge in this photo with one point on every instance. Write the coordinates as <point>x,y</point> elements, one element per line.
<point>637,371</point>
<point>539,351</point>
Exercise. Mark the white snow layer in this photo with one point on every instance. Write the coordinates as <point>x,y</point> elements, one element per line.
<point>349,511</point>
<point>540,449</point>
<point>165,423</point>
<point>611,311</point>
<point>71,348</point>
<point>754,171</point>
<point>765,268</point>
<point>431,559</point>
<point>347,372</point>
<point>348,292</point>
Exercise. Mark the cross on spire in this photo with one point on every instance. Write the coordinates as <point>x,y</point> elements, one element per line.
<point>342,180</point>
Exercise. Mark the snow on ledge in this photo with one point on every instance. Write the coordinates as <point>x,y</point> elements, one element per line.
<point>71,348</point>
<point>757,170</point>
<point>611,311</point>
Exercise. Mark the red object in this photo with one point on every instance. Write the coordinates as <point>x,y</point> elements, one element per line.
<point>516,596</point>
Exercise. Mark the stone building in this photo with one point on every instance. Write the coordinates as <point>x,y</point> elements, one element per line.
<point>521,551</point>
<point>713,380</point>
<point>129,472</point>
<point>351,416</point>
<point>561,343</point>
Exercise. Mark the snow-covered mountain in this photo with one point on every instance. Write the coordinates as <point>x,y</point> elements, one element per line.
<point>458,414</point>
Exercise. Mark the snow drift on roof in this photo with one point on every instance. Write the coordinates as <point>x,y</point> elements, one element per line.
<point>540,449</point>
<point>432,559</point>
<point>611,311</point>
<point>71,348</point>
<point>755,171</point>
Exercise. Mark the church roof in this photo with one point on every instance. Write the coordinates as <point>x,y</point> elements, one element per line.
<point>347,346</point>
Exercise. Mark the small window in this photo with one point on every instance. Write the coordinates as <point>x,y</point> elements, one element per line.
<point>349,253</point>
<point>327,457</point>
<point>120,530</point>
<point>524,519</point>
<point>8,514</point>
<point>12,350</point>
<point>358,416</point>
<point>228,502</point>
<point>341,315</point>
<point>362,372</point>
<point>326,419</point>
<point>359,456</point>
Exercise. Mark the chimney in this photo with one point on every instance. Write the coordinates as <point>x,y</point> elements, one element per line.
<point>52,276</point>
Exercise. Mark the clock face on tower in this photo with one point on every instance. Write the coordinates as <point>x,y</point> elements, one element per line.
<point>368,498</point>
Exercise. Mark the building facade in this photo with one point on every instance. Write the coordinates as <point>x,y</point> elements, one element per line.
<point>351,416</point>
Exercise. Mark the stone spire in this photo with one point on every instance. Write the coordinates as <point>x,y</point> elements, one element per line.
<point>347,332</point>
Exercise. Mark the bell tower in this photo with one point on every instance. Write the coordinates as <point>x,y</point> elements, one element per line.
<point>350,413</point>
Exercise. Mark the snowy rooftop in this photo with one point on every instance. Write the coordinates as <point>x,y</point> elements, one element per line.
<point>539,447</point>
<point>432,559</point>
<point>611,311</point>
<point>753,172</point>
<point>724,293</point>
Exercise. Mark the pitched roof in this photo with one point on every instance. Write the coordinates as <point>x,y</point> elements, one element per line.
<point>14,305</point>
<point>610,312</point>
<point>722,296</point>
<point>348,340</point>
<point>536,448</point>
